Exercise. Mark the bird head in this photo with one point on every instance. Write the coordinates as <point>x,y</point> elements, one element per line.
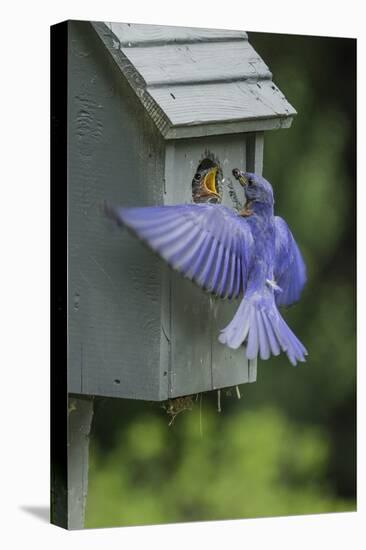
<point>204,185</point>
<point>257,189</point>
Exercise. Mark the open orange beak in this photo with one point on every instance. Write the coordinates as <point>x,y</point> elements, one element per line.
<point>209,182</point>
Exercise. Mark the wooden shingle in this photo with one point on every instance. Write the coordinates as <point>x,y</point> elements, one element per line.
<point>196,82</point>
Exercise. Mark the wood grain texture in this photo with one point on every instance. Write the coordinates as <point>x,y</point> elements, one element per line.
<point>130,75</point>
<point>193,63</point>
<point>197,83</point>
<point>221,102</point>
<point>254,152</point>
<point>229,127</point>
<point>131,34</point>
<point>79,424</point>
<point>115,154</point>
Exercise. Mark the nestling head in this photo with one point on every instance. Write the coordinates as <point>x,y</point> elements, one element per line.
<point>256,188</point>
<point>205,185</point>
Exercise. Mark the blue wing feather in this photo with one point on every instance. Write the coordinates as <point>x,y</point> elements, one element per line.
<point>209,244</point>
<point>289,268</point>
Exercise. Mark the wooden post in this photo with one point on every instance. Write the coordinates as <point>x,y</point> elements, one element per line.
<point>80,414</point>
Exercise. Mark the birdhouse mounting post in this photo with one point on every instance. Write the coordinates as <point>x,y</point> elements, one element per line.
<point>80,420</point>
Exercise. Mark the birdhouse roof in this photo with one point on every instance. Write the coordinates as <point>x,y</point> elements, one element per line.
<point>196,82</point>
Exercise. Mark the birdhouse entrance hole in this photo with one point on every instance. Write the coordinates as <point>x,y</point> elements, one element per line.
<point>207,182</point>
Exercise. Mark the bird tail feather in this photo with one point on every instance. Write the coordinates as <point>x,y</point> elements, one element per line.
<point>259,325</point>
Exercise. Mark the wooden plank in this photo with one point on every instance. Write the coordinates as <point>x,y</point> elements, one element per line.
<point>190,351</point>
<point>79,419</point>
<point>116,155</point>
<point>223,128</point>
<point>221,102</point>
<point>198,361</point>
<point>132,34</point>
<point>254,152</point>
<point>165,335</point>
<point>195,63</point>
<point>191,339</point>
<point>229,367</point>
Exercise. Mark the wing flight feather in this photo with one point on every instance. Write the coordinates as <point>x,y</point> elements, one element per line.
<point>209,244</point>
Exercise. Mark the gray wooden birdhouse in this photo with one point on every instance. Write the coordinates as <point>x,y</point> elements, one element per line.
<point>149,106</point>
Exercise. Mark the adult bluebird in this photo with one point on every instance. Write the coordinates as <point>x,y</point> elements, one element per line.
<point>249,253</point>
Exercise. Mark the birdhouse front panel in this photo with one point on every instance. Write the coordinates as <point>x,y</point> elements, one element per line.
<point>153,113</point>
<point>193,319</point>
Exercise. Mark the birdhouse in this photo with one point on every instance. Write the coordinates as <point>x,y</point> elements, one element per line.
<point>149,107</point>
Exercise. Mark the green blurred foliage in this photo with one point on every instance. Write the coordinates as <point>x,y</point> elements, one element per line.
<point>288,446</point>
<point>210,466</point>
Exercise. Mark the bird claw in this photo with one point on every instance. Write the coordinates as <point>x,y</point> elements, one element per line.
<point>246,211</point>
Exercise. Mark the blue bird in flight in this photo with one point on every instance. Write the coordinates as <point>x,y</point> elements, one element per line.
<point>251,253</point>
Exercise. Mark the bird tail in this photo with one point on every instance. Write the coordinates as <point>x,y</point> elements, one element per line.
<point>259,325</point>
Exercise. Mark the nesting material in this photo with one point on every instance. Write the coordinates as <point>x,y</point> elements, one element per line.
<point>175,406</point>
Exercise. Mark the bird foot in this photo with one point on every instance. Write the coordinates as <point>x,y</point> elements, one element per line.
<point>246,211</point>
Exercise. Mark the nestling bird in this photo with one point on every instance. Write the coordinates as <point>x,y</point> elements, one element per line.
<point>250,253</point>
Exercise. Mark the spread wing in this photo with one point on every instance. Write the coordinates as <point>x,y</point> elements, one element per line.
<point>209,244</point>
<point>289,270</point>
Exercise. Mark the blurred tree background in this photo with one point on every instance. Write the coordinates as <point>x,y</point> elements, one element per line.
<point>289,445</point>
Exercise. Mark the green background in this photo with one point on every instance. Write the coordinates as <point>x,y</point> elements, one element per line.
<point>289,445</point>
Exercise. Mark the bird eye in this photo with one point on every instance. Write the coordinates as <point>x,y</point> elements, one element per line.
<point>197,176</point>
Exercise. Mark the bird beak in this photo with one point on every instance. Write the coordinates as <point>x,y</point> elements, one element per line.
<point>240,177</point>
<point>209,182</point>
